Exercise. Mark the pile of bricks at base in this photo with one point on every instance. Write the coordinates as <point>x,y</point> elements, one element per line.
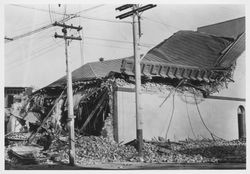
<point>223,151</point>
<point>93,149</point>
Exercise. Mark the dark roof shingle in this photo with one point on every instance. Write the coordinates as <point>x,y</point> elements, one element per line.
<point>92,70</point>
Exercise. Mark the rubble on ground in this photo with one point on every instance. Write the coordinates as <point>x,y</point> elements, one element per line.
<point>97,149</point>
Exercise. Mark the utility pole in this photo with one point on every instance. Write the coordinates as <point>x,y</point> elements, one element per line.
<point>69,88</point>
<point>136,42</point>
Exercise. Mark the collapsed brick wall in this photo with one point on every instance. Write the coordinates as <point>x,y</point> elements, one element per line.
<point>108,128</point>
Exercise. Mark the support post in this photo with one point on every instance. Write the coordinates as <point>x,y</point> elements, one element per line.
<point>71,118</point>
<point>70,103</point>
<point>139,132</point>
<point>136,16</point>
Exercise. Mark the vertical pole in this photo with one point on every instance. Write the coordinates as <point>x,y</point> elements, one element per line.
<point>70,104</point>
<point>81,47</point>
<point>139,122</point>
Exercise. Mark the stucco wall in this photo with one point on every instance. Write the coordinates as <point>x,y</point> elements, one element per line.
<point>220,116</point>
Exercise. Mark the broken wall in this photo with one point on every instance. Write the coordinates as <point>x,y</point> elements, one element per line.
<point>220,117</point>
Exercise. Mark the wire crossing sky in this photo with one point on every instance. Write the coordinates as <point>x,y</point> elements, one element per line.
<point>37,60</point>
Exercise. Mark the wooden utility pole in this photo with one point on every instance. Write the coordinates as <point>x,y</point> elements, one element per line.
<point>136,40</point>
<point>69,88</point>
<point>137,61</point>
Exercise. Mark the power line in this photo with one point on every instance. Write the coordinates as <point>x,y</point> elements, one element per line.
<point>84,17</point>
<point>34,53</point>
<point>212,134</point>
<point>50,17</point>
<point>17,62</point>
<point>42,51</point>
<point>52,21</point>
<point>36,50</point>
<point>88,9</point>
<point>118,41</point>
<point>31,32</point>
<point>25,27</point>
<point>39,37</point>
<point>47,46</point>
<point>81,41</point>
<point>65,10</point>
<point>37,54</point>
<point>158,22</point>
<point>189,120</point>
<point>104,20</point>
<point>39,29</point>
<point>111,46</point>
<point>172,114</point>
<point>38,9</point>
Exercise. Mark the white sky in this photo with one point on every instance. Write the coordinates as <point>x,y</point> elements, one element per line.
<point>37,60</point>
<point>28,62</point>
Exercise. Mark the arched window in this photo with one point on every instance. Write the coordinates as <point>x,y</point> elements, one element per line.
<point>241,122</point>
<point>241,110</point>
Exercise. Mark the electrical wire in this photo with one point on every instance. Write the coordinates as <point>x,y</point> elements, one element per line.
<point>52,21</point>
<point>118,41</point>
<point>80,33</point>
<point>65,10</point>
<point>44,51</point>
<point>212,134</point>
<point>164,24</point>
<point>189,120</point>
<point>172,114</point>
<point>50,17</point>
<point>88,9</point>
<point>38,9</point>
<point>38,30</point>
<point>47,45</point>
<point>34,57</point>
<point>30,33</point>
<point>173,90</point>
<point>51,25</point>
<point>104,20</point>
<point>25,27</point>
<point>111,46</point>
<point>37,55</point>
<point>81,47</point>
<point>39,37</point>
<point>84,17</point>
<point>202,118</point>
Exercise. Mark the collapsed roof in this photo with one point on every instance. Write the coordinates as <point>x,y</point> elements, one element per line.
<point>92,70</point>
<point>206,57</point>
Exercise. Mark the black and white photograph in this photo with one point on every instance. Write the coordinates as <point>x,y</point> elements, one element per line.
<point>124,86</point>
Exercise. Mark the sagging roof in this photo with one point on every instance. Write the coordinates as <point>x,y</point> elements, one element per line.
<point>195,55</point>
<point>92,70</point>
<point>187,54</point>
<point>190,48</point>
<point>230,29</point>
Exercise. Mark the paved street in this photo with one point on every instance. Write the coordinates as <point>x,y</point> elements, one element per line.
<point>131,166</point>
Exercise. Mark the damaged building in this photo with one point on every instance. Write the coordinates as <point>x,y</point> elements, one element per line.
<point>181,80</point>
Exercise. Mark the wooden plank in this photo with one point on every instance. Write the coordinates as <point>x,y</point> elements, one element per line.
<point>32,136</point>
<point>93,112</point>
<point>115,115</point>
